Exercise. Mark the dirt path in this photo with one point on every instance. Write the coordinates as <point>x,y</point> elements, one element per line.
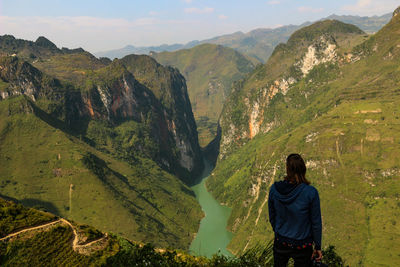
<point>30,229</point>
<point>80,248</point>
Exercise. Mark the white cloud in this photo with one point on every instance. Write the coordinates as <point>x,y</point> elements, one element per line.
<point>195,10</point>
<point>307,9</point>
<point>76,22</point>
<point>371,7</point>
<point>100,34</point>
<point>88,32</point>
<point>153,13</point>
<point>222,16</point>
<point>188,1</point>
<point>274,2</point>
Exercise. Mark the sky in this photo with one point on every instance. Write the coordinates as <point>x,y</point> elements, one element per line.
<point>99,25</point>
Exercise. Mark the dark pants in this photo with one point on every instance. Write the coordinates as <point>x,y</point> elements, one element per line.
<point>301,257</point>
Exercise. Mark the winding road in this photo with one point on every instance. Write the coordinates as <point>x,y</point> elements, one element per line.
<point>80,248</point>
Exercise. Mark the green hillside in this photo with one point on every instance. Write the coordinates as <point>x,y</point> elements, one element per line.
<point>209,71</point>
<point>52,243</point>
<point>72,67</point>
<point>334,98</point>
<point>47,168</point>
<point>100,146</point>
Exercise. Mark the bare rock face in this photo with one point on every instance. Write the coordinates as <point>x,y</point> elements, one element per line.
<point>23,79</point>
<point>320,52</point>
<point>396,12</point>
<point>169,88</point>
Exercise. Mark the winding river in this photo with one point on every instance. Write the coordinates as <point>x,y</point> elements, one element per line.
<point>212,237</point>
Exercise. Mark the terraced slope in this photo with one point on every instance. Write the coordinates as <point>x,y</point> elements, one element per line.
<point>209,71</point>
<point>337,105</point>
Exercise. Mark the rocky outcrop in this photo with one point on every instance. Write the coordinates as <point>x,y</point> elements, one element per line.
<point>117,98</point>
<point>322,51</point>
<point>169,87</point>
<point>22,78</point>
<point>396,12</point>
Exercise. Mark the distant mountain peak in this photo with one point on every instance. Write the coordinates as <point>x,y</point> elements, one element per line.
<point>319,28</point>
<point>8,36</point>
<point>44,42</point>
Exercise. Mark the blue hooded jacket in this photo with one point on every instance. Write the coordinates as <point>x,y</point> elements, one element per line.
<point>294,212</point>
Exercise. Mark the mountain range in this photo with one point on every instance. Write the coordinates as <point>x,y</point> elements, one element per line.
<point>257,44</point>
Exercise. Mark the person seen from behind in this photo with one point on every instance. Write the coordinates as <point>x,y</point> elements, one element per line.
<point>295,216</point>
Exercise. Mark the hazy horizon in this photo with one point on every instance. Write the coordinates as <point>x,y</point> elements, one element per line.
<point>100,25</point>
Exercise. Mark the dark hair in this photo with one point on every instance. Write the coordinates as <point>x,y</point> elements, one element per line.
<point>296,169</point>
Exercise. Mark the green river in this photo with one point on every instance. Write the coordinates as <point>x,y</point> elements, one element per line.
<point>212,235</point>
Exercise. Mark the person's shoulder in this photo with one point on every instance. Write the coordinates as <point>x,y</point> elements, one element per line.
<point>273,187</point>
<point>311,189</point>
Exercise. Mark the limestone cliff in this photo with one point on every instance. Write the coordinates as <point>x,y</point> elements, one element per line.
<point>113,95</point>
<point>169,87</point>
<point>247,112</point>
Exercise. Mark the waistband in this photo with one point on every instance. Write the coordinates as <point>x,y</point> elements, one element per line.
<point>293,243</point>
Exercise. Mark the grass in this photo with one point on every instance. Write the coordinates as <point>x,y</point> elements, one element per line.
<point>343,189</point>
<point>47,248</point>
<point>3,85</point>
<point>70,67</point>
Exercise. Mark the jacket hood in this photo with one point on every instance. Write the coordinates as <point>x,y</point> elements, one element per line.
<point>286,192</point>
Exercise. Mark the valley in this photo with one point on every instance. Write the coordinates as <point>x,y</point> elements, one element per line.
<point>210,70</point>
<point>128,146</point>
